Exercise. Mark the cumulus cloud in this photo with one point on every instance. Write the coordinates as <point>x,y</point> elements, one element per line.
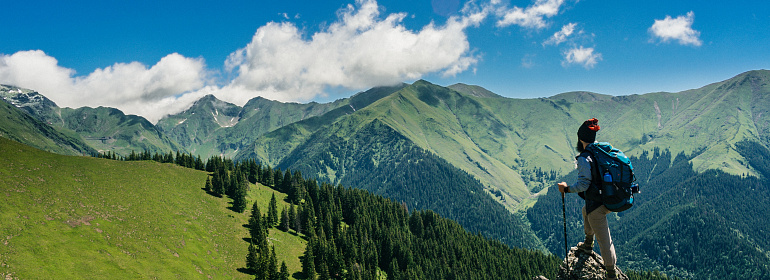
<point>561,35</point>
<point>530,17</point>
<point>362,48</point>
<point>676,29</point>
<point>581,56</point>
<point>131,87</point>
<point>359,50</point>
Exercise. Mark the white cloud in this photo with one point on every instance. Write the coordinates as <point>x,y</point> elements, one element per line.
<point>581,56</point>
<point>358,51</point>
<point>361,49</point>
<point>561,35</point>
<point>676,29</point>
<point>131,87</point>
<point>530,17</point>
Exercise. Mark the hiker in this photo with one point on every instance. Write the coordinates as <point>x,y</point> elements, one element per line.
<point>594,212</point>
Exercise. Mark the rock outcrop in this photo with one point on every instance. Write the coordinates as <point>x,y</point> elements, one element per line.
<point>580,265</point>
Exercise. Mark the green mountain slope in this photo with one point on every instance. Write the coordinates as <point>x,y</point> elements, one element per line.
<point>19,126</point>
<point>82,217</point>
<point>214,127</point>
<point>363,148</point>
<point>712,119</point>
<point>108,129</point>
<point>104,129</point>
<point>377,158</point>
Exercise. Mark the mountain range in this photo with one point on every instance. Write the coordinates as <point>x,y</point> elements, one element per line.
<point>462,151</point>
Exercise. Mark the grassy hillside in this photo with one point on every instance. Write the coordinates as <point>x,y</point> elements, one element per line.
<point>21,127</point>
<point>81,217</point>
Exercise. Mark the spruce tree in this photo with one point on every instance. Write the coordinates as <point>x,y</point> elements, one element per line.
<point>284,274</point>
<point>272,265</point>
<point>257,230</point>
<point>323,272</point>
<point>284,224</point>
<point>277,178</point>
<point>308,262</point>
<point>218,183</point>
<point>272,212</point>
<point>292,217</point>
<point>209,187</point>
<point>267,175</point>
<point>286,182</point>
<point>239,194</point>
<point>298,219</point>
<point>252,259</point>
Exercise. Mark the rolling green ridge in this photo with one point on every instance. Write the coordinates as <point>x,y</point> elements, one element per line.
<point>19,126</point>
<point>103,129</point>
<point>499,140</point>
<point>108,129</point>
<point>83,217</point>
<point>214,127</point>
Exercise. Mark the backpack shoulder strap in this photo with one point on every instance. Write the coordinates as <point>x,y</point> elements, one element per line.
<point>594,166</point>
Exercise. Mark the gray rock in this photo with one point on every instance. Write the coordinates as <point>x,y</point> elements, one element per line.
<point>583,266</point>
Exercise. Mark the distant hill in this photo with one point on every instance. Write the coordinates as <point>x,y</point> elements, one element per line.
<point>104,129</point>
<point>213,127</point>
<point>17,125</point>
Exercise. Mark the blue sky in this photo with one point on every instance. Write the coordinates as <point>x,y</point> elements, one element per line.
<point>156,57</point>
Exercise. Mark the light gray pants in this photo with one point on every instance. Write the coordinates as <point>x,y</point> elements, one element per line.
<point>595,224</point>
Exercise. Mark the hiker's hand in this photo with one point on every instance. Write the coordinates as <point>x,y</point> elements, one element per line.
<point>562,185</point>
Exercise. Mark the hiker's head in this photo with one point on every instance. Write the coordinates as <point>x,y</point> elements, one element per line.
<point>587,133</point>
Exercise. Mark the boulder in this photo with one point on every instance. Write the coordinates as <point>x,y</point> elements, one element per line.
<point>580,265</point>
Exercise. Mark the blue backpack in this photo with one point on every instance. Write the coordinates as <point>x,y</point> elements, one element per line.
<point>614,176</point>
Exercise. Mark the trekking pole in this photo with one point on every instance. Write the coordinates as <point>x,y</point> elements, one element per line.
<point>564,215</point>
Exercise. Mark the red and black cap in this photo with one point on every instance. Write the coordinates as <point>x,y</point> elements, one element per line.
<point>587,131</point>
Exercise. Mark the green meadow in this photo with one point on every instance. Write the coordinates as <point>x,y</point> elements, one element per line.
<point>72,217</point>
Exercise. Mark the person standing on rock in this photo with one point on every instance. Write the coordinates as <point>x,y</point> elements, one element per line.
<point>594,212</point>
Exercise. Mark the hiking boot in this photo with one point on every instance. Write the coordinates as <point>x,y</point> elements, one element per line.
<point>586,247</point>
<point>611,274</point>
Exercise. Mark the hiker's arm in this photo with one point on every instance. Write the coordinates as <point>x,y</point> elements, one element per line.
<point>584,176</point>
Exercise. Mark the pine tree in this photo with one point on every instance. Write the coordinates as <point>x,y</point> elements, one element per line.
<point>286,182</point>
<point>323,272</point>
<point>256,228</point>
<point>218,183</point>
<point>209,187</point>
<point>272,212</point>
<point>298,219</point>
<point>292,217</point>
<point>267,176</point>
<point>284,274</point>
<point>272,265</point>
<point>308,262</point>
<point>252,259</point>
<point>239,194</point>
<point>277,178</point>
<point>284,224</point>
